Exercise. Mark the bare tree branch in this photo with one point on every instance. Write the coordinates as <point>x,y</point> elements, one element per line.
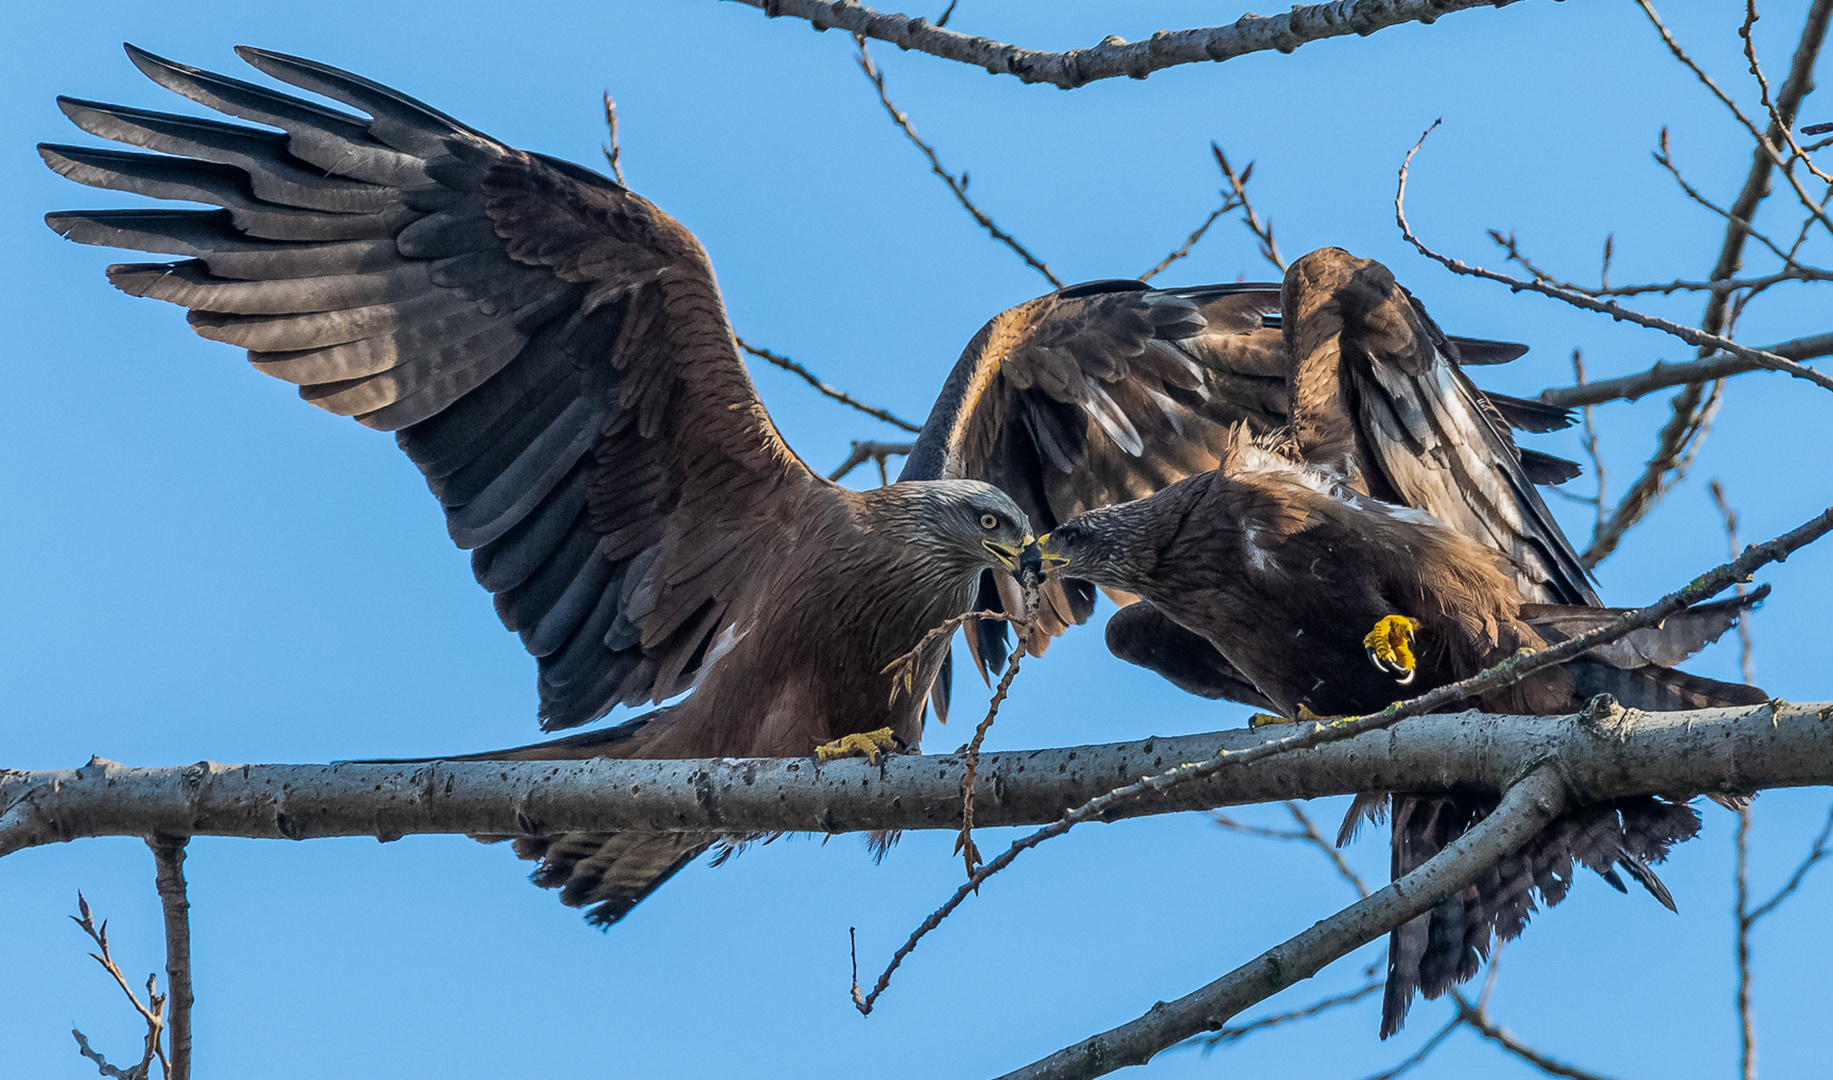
<point>815,381</point>
<point>1526,807</point>
<point>1115,57</point>
<point>1747,1028</point>
<point>169,858</point>
<point>957,185</point>
<point>1663,375</point>
<point>1616,311</point>
<point>1236,1033</point>
<point>1781,745</point>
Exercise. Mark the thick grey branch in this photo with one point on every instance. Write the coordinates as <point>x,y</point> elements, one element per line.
<point>1664,375</point>
<point>1114,56</point>
<point>1525,809</point>
<point>1613,754</point>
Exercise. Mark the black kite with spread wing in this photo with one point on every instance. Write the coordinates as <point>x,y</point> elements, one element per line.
<point>552,351</point>
<point>1105,392</point>
<point>1281,571</point>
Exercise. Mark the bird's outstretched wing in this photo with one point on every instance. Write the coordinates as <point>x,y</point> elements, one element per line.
<point>1106,392</point>
<point>550,349</point>
<point>1096,394</point>
<point>1377,391</point>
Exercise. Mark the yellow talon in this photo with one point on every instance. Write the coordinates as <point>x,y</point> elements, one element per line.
<point>1390,646</point>
<point>870,745</point>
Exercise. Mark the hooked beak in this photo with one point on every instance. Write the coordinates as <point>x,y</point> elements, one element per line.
<point>1050,563</point>
<point>1008,556</point>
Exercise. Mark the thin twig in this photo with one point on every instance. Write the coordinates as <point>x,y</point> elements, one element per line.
<point>1664,157</point>
<point>1747,1027</point>
<point>152,1012</point>
<point>1262,230</point>
<point>964,841</point>
<point>1312,836</point>
<point>1425,1050</point>
<point>956,185</point>
<point>1507,672</point>
<point>815,381</point>
<point>1815,854</point>
<point>1241,1031</point>
<point>169,858</point>
<point>1664,374</point>
<point>1477,1018</point>
<point>1795,272</point>
<point>867,450</point>
<point>1591,448</point>
<point>1190,241</point>
<point>1236,825</point>
<point>1731,542</point>
<point>1616,311</point>
<point>1116,57</point>
<point>613,153</point>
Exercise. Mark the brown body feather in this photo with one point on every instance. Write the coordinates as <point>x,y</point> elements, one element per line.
<point>1108,391</point>
<point>1282,573</point>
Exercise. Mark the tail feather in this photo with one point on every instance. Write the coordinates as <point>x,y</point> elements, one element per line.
<point>614,871</point>
<point>1448,944</point>
<point>1658,689</point>
<point>1678,636</point>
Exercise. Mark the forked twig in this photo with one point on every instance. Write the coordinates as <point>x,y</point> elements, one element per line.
<point>875,452</point>
<point>1262,230</point>
<point>613,153</point>
<point>152,1011</point>
<point>1616,311</point>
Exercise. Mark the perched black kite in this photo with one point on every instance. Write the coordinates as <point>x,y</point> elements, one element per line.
<point>552,352</point>
<point>1290,590</point>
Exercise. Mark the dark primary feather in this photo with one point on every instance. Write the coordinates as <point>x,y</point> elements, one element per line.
<point>547,346</point>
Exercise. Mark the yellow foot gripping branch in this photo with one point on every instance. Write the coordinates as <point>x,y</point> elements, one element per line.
<point>870,745</point>
<point>1390,647</point>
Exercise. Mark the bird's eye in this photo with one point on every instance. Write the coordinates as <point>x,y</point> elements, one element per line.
<point>989,521</point>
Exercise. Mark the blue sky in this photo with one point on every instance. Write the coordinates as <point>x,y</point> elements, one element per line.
<point>202,567</point>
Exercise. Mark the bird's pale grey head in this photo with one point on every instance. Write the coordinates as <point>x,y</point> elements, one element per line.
<point>972,520</point>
